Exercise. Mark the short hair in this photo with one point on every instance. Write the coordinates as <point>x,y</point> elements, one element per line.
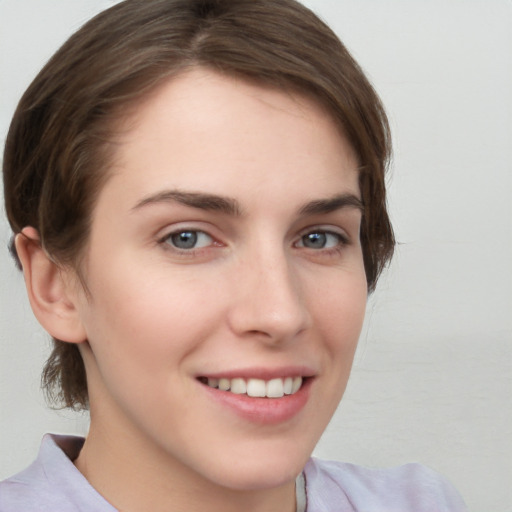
<point>60,142</point>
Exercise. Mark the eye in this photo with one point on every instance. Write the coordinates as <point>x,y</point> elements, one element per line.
<point>321,240</point>
<point>189,239</point>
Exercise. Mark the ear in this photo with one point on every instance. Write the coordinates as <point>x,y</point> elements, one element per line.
<point>51,291</point>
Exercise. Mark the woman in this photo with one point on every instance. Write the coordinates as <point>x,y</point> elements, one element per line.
<point>196,190</point>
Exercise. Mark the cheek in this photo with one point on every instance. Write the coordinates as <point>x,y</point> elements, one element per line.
<point>339,313</point>
<point>141,329</point>
<point>148,315</point>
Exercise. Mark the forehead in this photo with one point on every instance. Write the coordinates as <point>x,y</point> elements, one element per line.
<point>203,129</point>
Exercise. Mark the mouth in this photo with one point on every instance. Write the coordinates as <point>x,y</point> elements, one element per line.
<point>256,388</point>
<point>260,396</point>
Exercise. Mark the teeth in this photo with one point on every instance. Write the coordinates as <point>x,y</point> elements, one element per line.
<point>275,388</point>
<point>297,383</point>
<point>224,384</point>
<point>238,386</point>
<point>258,388</point>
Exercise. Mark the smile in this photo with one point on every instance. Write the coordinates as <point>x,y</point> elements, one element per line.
<point>256,388</point>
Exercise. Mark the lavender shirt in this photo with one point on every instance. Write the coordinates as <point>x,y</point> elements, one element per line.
<point>53,484</point>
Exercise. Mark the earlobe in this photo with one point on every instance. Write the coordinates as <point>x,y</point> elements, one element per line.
<point>52,298</point>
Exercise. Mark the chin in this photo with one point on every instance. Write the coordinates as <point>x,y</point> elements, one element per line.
<point>251,477</point>
<point>264,470</point>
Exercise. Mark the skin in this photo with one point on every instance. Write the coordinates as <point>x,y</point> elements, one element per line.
<point>252,295</point>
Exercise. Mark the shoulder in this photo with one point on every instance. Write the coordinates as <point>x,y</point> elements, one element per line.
<point>409,488</point>
<point>52,482</point>
<point>20,491</point>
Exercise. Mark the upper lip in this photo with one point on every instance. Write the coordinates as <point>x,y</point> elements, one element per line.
<point>262,373</point>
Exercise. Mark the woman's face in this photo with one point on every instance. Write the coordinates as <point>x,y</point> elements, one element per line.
<point>224,251</point>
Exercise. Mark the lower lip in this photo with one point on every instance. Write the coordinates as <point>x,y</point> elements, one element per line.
<point>264,411</point>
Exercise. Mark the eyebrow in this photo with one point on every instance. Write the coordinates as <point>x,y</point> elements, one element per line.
<point>202,201</point>
<point>230,206</point>
<point>338,202</point>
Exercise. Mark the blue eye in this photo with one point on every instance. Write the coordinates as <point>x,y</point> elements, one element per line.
<point>189,239</point>
<point>320,240</point>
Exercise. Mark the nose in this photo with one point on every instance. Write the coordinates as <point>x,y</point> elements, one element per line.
<point>268,300</point>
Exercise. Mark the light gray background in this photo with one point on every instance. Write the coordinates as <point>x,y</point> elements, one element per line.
<point>432,380</point>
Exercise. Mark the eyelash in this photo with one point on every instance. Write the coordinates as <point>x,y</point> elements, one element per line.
<point>341,240</point>
<point>166,241</point>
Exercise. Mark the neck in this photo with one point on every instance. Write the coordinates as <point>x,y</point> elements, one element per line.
<point>134,476</point>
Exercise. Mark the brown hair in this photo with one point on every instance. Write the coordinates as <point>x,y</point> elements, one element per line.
<point>59,144</point>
